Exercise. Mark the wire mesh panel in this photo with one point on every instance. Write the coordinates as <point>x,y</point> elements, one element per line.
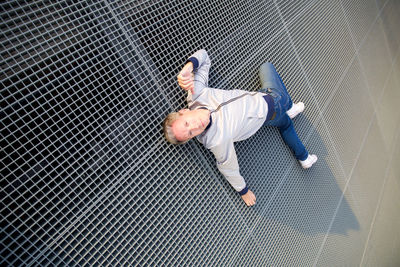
<point>71,108</point>
<point>88,179</point>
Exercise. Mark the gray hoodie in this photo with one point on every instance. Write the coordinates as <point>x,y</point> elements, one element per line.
<point>234,121</point>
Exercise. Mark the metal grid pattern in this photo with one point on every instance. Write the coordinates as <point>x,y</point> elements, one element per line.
<point>88,179</point>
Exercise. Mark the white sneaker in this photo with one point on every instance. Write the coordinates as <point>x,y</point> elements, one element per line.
<point>309,161</point>
<point>295,110</point>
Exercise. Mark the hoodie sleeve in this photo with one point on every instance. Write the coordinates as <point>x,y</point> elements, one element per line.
<point>228,165</point>
<point>201,66</point>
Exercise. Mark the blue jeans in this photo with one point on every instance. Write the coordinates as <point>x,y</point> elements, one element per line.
<point>272,84</point>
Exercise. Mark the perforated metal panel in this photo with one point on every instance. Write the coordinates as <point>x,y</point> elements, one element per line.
<point>88,179</point>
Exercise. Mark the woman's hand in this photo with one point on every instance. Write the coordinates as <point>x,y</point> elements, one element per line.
<point>186,77</point>
<point>249,198</point>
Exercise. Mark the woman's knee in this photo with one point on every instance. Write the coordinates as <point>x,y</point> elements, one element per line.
<point>268,75</point>
<point>267,66</point>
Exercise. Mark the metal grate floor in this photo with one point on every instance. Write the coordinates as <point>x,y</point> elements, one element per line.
<point>88,179</point>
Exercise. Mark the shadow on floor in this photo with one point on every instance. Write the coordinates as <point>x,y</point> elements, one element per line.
<point>304,200</point>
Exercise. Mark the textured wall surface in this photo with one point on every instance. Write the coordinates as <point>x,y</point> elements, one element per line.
<point>88,179</point>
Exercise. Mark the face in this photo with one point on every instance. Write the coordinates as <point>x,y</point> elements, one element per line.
<point>190,123</point>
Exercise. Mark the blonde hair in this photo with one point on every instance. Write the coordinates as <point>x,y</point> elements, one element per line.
<point>167,128</point>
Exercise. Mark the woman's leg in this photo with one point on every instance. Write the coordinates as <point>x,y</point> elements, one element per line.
<point>289,135</point>
<point>270,78</point>
<point>283,102</point>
